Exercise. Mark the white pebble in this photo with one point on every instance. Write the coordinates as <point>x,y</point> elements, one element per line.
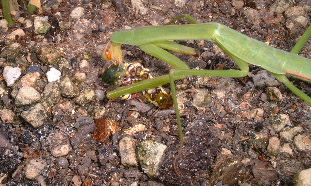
<point>11,74</point>
<point>53,75</point>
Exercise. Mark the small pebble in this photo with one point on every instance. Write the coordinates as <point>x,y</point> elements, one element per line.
<point>84,64</point>
<point>30,79</point>
<point>274,94</point>
<point>51,94</point>
<point>34,68</point>
<point>11,74</point>
<point>35,116</point>
<point>41,25</point>
<point>127,147</point>
<point>149,154</point>
<point>77,12</point>
<point>135,129</point>
<point>286,149</point>
<point>60,145</point>
<point>2,90</point>
<point>80,77</point>
<point>86,96</point>
<point>63,162</point>
<point>61,150</point>
<point>238,4</point>
<point>278,122</point>
<point>263,78</point>
<point>7,116</point>
<point>257,113</point>
<point>180,3</point>
<point>18,32</point>
<point>274,145</point>
<point>302,20</point>
<point>100,94</point>
<point>304,178</point>
<point>27,95</point>
<point>49,55</point>
<point>53,75</point>
<point>280,6</point>
<point>288,133</point>
<point>99,111</point>
<point>202,98</point>
<point>302,142</point>
<point>33,168</point>
<point>76,180</point>
<point>28,23</point>
<point>68,88</point>
<point>4,24</point>
<point>139,7</point>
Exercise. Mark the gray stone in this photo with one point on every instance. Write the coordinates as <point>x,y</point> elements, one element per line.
<point>274,94</point>
<point>86,96</point>
<point>49,55</point>
<point>288,133</point>
<point>27,96</point>
<point>150,155</point>
<point>263,78</point>
<point>35,116</point>
<point>279,121</point>
<point>41,25</point>
<point>68,88</point>
<point>51,94</point>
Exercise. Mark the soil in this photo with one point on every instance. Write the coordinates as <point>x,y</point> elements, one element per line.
<point>229,139</point>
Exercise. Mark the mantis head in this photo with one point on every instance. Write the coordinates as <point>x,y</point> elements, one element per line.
<point>113,52</point>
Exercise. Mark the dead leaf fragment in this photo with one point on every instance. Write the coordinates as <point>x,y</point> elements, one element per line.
<point>104,129</point>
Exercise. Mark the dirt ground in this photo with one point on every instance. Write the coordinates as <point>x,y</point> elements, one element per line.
<point>236,133</point>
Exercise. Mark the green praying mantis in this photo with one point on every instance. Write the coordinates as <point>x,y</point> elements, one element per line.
<point>156,40</point>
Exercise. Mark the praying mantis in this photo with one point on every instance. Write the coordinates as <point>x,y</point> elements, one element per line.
<point>156,40</point>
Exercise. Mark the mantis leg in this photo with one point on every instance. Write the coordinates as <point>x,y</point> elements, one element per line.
<point>282,78</point>
<point>177,73</point>
<point>292,87</point>
<point>302,41</point>
<point>164,55</point>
